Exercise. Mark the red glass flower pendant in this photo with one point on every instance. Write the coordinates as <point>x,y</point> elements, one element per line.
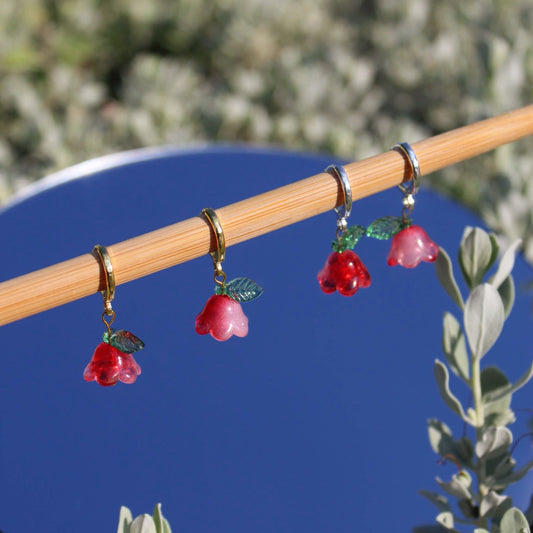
<point>410,246</point>
<point>109,365</point>
<point>343,272</point>
<point>222,317</point>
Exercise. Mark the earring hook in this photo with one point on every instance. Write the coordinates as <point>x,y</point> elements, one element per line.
<point>218,255</point>
<point>409,191</point>
<point>109,293</point>
<point>406,150</point>
<point>343,212</point>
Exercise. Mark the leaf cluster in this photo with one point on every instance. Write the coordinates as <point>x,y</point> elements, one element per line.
<point>143,523</point>
<point>485,463</point>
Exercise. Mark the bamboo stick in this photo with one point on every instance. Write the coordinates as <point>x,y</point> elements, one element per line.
<point>163,248</point>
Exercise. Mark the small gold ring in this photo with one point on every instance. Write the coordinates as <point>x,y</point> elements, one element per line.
<point>219,254</point>
<point>109,293</point>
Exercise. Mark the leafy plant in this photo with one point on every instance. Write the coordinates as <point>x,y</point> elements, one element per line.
<point>143,523</point>
<point>485,463</point>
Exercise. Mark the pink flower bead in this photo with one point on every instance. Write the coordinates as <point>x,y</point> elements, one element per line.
<point>410,246</point>
<point>222,317</point>
<point>343,272</point>
<point>109,365</point>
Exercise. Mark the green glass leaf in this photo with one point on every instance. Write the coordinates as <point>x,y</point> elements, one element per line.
<point>348,239</point>
<point>444,272</point>
<point>124,341</point>
<point>384,228</point>
<point>483,319</point>
<point>124,520</point>
<point>514,521</point>
<point>243,289</point>
<point>454,347</point>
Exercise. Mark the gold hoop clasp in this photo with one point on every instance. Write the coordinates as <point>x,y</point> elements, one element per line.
<point>109,292</point>
<point>219,254</point>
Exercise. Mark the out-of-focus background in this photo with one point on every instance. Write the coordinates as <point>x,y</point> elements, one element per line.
<point>83,78</point>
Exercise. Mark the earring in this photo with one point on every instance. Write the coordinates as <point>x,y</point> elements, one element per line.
<point>222,315</point>
<point>344,272</point>
<point>112,360</point>
<point>410,243</point>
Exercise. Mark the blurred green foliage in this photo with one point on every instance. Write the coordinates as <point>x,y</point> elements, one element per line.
<point>82,78</point>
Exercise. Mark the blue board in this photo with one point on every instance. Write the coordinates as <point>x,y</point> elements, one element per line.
<point>314,422</point>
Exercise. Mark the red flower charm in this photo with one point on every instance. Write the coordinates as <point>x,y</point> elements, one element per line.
<point>343,272</point>
<point>222,317</point>
<point>410,246</point>
<point>110,365</point>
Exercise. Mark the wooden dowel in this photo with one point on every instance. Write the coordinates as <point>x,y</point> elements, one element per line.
<point>163,248</point>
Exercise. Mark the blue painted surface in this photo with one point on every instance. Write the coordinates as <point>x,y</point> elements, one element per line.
<point>315,422</point>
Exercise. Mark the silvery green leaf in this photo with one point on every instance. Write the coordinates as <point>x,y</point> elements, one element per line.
<point>161,524</point>
<point>497,412</point>
<point>514,521</point>
<point>483,319</point>
<point>440,436</point>
<point>243,289</point>
<point>443,378</point>
<point>506,264</point>
<point>444,272</point>
<point>430,528</point>
<point>143,524</point>
<point>436,499</point>
<point>494,441</point>
<point>443,443</point>
<point>495,248</point>
<point>507,293</point>
<point>124,520</point>
<point>475,253</point>
<point>157,515</point>
<point>468,508</point>
<point>494,504</point>
<point>445,519</point>
<point>529,511</point>
<point>515,476</point>
<point>480,530</point>
<point>504,467</point>
<point>454,347</point>
<point>456,487</point>
<point>510,388</point>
